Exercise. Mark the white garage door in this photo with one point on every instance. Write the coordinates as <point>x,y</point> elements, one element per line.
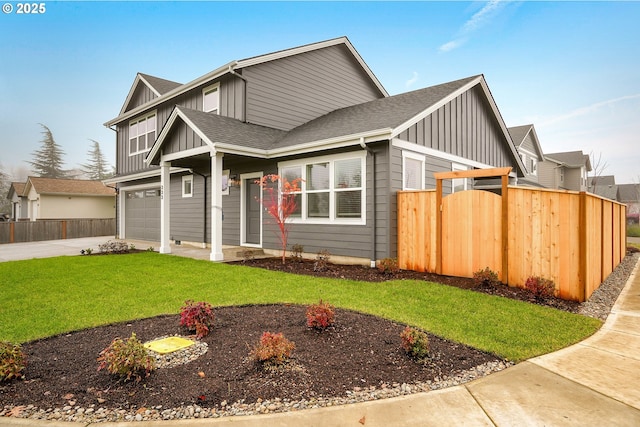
<point>142,214</point>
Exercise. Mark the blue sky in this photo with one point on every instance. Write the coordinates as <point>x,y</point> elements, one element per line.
<point>570,68</point>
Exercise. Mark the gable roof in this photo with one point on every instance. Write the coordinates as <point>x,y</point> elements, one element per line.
<point>17,188</point>
<point>78,187</point>
<point>570,159</point>
<point>520,133</point>
<point>157,85</point>
<point>230,68</point>
<point>376,120</point>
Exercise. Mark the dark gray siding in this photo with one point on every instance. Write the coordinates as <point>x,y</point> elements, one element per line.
<point>231,105</point>
<point>288,92</point>
<point>141,95</point>
<point>464,127</point>
<point>181,138</point>
<point>188,213</point>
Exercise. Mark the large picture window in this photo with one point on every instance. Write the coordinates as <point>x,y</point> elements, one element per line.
<point>142,134</point>
<point>332,190</point>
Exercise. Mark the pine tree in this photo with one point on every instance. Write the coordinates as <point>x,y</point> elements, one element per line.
<point>47,161</point>
<point>97,168</point>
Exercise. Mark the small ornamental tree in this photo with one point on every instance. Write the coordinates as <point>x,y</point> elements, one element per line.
<point>280,203</point>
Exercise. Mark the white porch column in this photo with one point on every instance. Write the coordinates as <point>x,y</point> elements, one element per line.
<point>165,207</point>
<point>216,206</point>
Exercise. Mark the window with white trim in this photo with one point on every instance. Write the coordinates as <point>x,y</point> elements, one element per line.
<point>458,184</point>
<point>211,99</point>
<point>332,189</point>
<point>142,134</point>
<point>187,186</point>
<point>412,171</point>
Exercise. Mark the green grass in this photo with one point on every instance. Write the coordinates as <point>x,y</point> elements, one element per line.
<point>44,297</point>
<point>633,230</point>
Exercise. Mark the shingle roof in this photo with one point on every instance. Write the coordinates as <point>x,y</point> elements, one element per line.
<point>571,158</point>
<point>18,187</point>
<point>629,193</point>
<point>162,86</point>
<point>382,113</point>
<point>610,191</point>
<point>70,186</point>
<point>602,180</point>
<point>518,133</point>
<point>231,131</point>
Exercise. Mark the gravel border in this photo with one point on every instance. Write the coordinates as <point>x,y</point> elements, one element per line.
<point>599,306</point>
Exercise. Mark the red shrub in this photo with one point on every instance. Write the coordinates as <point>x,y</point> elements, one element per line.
<point>197,316</point>
<point>320,316</point>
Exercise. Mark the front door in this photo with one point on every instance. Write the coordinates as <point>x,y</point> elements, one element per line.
<point>252,210</point>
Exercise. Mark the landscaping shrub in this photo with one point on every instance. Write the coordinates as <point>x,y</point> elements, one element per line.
<point>127,359</point>
<point>296,252</point>
<point>388,266</point>
<point>272,349</point>
<point>320,316</point>
<point>12,361</point>
<point>322,260</point>
<point>540,287</point>
<point>415,342</point>
<point>486,277</point>
<point>115,247</point>
<point>197,316</point>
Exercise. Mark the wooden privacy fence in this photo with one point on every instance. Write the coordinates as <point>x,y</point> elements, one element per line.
<point>575,239</point>
<point>34,231</point>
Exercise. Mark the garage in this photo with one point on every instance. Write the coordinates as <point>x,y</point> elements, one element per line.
<point>142,214</point>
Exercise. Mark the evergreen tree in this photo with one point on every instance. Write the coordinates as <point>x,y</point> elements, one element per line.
<point>97,168</point>
<point>5,184</point>
<point>47,161</point>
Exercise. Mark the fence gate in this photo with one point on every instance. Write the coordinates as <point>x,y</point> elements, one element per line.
<point>471,226</point>
<point>472,233</point>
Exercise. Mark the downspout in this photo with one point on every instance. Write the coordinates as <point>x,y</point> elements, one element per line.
<point>244,100</point>
<point>373,200</point>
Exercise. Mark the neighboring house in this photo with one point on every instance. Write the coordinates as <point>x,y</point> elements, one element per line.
<point>604,186</point>
<point>19,208</point>
<point>50,198</point>
<point>565,171</point>
<point>188,155</point>
<point>629,194</point>
<point>528,145</point>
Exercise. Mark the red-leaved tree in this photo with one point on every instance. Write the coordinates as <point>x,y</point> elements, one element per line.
<point>279,200</point>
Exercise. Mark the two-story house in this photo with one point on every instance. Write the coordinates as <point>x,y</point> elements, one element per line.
<point>565,171</point>
<point>528,145</point>
<point>189,155</point>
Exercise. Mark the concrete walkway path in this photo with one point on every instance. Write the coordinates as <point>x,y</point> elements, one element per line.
<point>593,383</point>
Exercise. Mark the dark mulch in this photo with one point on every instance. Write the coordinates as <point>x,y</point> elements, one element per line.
<point>360,351</point>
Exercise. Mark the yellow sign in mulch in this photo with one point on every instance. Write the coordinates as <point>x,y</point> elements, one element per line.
<point>169,344</point>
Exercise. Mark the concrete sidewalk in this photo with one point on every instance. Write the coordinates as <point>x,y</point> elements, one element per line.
<point>592,383</point>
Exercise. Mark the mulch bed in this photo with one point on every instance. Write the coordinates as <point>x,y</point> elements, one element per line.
<point>359,351</point>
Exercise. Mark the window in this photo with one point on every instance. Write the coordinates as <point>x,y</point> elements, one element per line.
<point>211,99</point>
<point>187,186</point>
<point>332,190</point>
<point>458,184</point>
<point>142,134</point>
<point>412,171</point>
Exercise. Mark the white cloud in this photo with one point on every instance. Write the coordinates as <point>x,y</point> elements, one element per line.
<point>412,80</point>
<point>583,111</point>
<point>476,22</point>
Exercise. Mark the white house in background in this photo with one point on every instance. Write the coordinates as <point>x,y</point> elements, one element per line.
<point>50,198</point>
<point>565,171</point>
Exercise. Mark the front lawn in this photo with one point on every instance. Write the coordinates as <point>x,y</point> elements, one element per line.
<point>44,297</point>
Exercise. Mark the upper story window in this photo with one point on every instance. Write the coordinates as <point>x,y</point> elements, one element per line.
<point>142,134</point>
<point>332,190</point>
<point>211,99</point>
<point>412,171</point>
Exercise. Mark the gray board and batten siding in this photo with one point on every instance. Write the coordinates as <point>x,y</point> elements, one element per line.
<point>464,127</point>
